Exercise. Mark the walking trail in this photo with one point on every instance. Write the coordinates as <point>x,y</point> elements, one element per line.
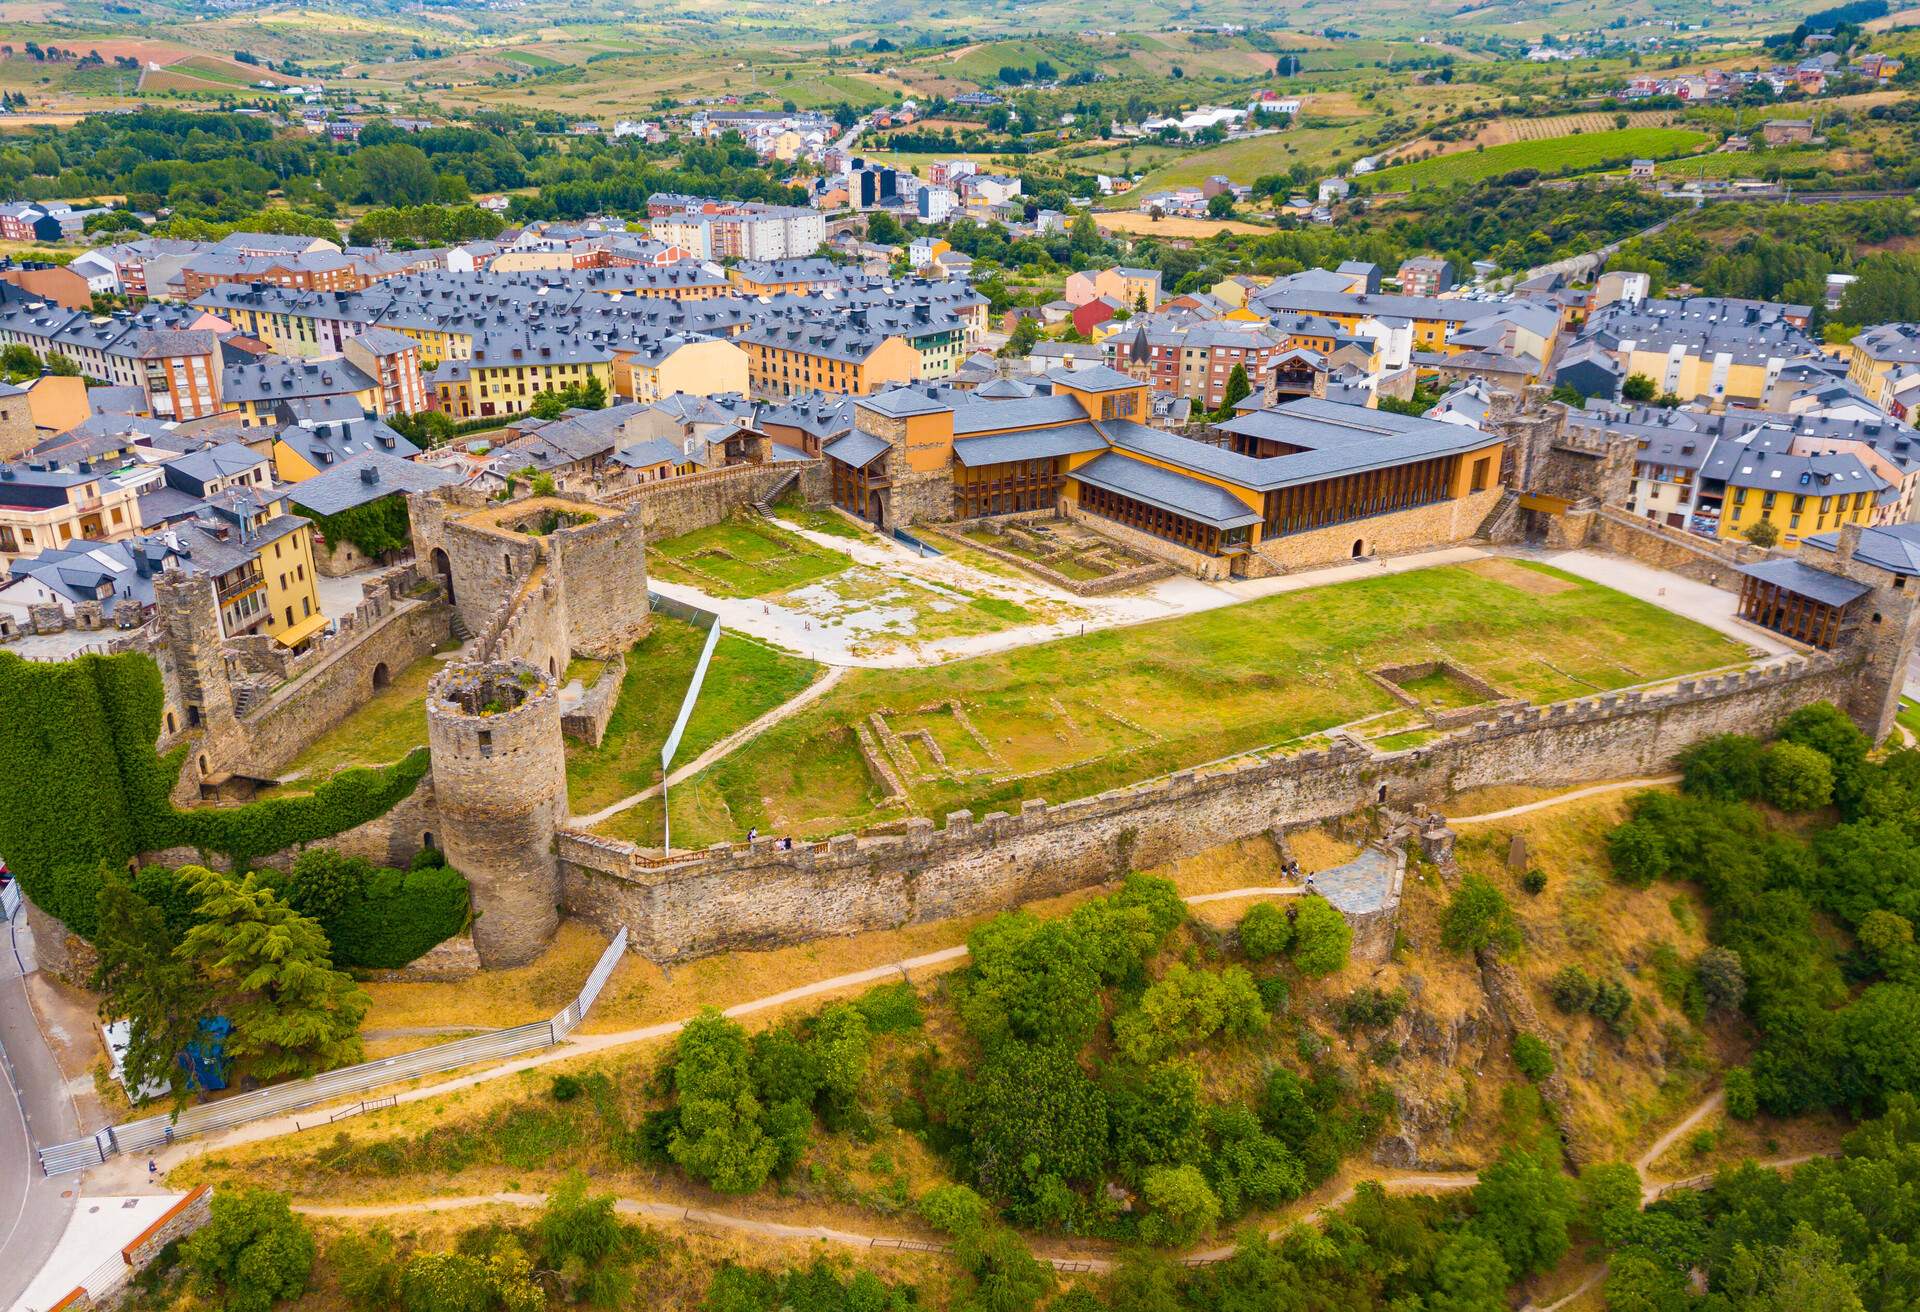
<point>127,1174</point>
<point>1561,798</point>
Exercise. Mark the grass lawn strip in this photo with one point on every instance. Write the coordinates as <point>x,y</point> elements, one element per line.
<point>745,680</point>
<point>385,728</point>
<point>1074,717</point>
<point>744,557</point>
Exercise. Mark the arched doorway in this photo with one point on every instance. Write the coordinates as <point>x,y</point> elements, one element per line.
<point>381,677</point>
<point>443,568</point>
<point>877,509</point>
<point>1359,548</point>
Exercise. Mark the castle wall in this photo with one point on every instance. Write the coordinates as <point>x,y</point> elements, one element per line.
<point>602,568</point>
<point>280,728</point>
<point>1702,559</point>
<point>1421,528</point>
<point>757,895</point>
<point>681,505</point>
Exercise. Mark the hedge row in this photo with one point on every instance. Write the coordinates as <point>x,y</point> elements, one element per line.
<point>87,790</point>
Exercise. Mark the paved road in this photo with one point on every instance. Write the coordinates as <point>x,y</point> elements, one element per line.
<point>34,1109</point>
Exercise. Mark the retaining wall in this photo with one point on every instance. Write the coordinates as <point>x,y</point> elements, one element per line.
<point>681,505</point>
<point>757,896</point>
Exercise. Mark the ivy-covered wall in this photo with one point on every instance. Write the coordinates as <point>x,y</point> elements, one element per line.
<point>376,528</point>
<point>86,790</point>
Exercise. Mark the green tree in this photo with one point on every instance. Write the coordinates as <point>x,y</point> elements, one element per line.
<point>1238,389</point>
<point>1831,732</point>
<point>270,974</point>
<point>1478,917</point>
<point>1723,980</point>
<point>1026,331</point>
<point>1726,767</point>
<point>719,1137</point>
<point>1532,1057</point>
<point>446,1282</point>
<point>141,980</point>
<point>1322,938</point>
<point>1762,533</point>
<point>1638,388</point>
<point>1180,1205</point>
<point>1265,932</point>
<point>1795,778</point>
<point>1638,854</point>
<point>1523,1204</point>
<point>1187,1007</point>
<point>1220,205</point>
<point>1469,1275</point>
<point>884,230</point>
<point>252,1253</point>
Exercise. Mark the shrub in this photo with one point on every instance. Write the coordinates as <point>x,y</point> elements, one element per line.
<point>1534,882</point>
<point>1181,1205</point>
<point>1743,1103</point>
<point>1829,731</point>
<point>364,1265</point>
<point>378,918</point>
<point>1572,990</point>
<point>891,1008</point>
<point>446,1282</point>
<point>1322,938</point>
<point>1725,768</point>
<point>1638,853</point>
<point>1371,1008</point>
<point>1796,778</point>
<point>1532,1057</point>
<point>720,1136</point>
<point>1265,932</point>
<point>954,1209</point>
<point>566,1088</point>
<point>1613,1004</point>
<point>1186,1008</point>
<point>252,1253</point>
<point>1723,980</point>
<point>1479,918</point>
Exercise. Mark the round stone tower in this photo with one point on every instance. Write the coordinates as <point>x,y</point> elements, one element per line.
<point>500,786</point>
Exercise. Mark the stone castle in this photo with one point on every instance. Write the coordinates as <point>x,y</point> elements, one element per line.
<point>534,582</point>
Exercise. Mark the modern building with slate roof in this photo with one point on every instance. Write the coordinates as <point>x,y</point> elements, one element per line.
<point>1298,484</point>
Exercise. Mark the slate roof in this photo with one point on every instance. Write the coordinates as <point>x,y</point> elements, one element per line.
<point>857,449</point>
<point>1028,444</point>
<point>1894,547</point>
<point>1166,489</point>
<point>1806,581</point>
<point>347,485</point>
<point>972,417</point>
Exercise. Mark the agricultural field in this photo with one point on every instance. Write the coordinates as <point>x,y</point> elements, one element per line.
<point>1252,157</point>
<point>1070,718</point>
<point>1557,155</point>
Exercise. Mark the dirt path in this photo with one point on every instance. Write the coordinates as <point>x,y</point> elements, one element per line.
<point>1574,796</point>
<point>1644,1162</point>
<point>746,733</point>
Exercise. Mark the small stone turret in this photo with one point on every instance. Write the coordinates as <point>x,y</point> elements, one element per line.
<point>500,785</point>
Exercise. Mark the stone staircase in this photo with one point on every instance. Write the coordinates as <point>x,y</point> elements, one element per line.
<point>764,506</point>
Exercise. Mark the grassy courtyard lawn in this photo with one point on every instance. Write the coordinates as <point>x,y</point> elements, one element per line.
<point>743,557</point>
<point>385,728</point>
<point>1551,156</point>
<point>745,680</point>
<point>1909,715</point>
<point>1066,719</point>
<point>818,519</point>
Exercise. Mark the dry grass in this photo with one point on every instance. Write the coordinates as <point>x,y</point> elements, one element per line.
<point>1501,570</point>
<point>1624,1088</point>
<point>1134,221</point>
<point>495,999</point>
<point>1721,1142</point>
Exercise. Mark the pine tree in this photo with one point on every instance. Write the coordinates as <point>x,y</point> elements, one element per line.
<point>142,981</point>
<point>270,974</point>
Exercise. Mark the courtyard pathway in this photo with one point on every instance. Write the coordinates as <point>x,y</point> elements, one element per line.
<point>1166,599</point>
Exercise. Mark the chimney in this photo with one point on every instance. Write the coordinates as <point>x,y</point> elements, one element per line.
<point>369,475</point>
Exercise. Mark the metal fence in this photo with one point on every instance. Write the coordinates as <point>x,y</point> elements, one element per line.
<point>680,610</point>
<point>156,1131</point>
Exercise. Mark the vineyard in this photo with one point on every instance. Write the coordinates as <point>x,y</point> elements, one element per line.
<point>1551,156</point>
